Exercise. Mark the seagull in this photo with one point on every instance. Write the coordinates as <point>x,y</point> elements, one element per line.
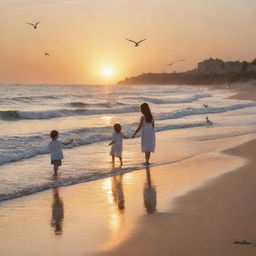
<point>34,25</point>
<point>242,242</point>
<point>136,43</point>
<point>170,64</point>
<point>206,105</point>
<point>46,54</point>
<point>208,121</point>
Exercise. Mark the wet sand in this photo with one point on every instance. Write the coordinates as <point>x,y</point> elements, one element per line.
<point>108,216</point>
<point>206,221</point>
<point>216,219</point>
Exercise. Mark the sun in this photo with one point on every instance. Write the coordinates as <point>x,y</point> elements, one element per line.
<point>107,71</point>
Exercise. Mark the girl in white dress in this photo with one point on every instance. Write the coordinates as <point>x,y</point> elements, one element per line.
<point>148,133</point>
<point>117,143</point>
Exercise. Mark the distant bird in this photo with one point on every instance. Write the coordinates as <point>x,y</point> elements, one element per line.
<point>136,43</point>
<point>242,242</point>
<point>46,54</point>
<point>170,64</point>
<point>208,121</point>
<point>206,105</point>
<point>34,25</point>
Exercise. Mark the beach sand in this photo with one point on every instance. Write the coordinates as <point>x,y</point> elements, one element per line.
<point>206,221</point>
<point>198,205</point>
<point>114,216</point>
<point>242,91</point>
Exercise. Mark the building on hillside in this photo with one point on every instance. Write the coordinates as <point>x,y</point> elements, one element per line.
<point>217,66</point>
<point>211,66</point>
<point>233,66</point>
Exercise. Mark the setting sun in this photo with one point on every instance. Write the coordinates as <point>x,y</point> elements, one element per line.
<point>107,72</point>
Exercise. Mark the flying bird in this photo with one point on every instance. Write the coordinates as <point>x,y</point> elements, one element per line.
<point>136,44</point>
<point>46,54</point>
<point>205,105</point>
<point>34,25</point>
<point>208,121</point>
<point>170,64</point>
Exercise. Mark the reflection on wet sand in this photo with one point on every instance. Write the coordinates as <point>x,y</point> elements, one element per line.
<point>118,193</point>
<point>57,212</point>
<point>149,194</point>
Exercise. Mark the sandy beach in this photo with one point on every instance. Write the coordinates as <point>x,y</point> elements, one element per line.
<point>216,219</point>
<point>145,212</point>
<point>243,91</point>
<point>199,204</point>
<point>207,221</point>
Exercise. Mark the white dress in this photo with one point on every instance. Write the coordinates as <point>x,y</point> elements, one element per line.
<point>117,147</point>
<point>148,138</point>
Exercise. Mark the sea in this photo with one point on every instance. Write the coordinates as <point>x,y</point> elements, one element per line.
<point>87,114</point>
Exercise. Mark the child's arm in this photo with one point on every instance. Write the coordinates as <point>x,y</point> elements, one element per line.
<point>68,142</point>
<point>112,142</point>
<point>126,137</point>
<point>139,127</point>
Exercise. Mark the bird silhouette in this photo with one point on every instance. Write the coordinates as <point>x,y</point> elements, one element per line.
<point>136,44</point>
<point>46,54</point>
<point>206,105</point>
<point>172,63</point>
<point>208,121</point>
<point>34,25</point>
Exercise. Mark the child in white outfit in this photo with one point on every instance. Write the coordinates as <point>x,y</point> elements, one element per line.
<point>117,143</point>
<point>55,147</point>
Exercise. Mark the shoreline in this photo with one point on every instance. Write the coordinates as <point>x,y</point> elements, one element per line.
<point>206,221</point>
<point>242,91</point>
<point>89,218</point>
<point>94,217</point>
<point>113,216</point>
<point>214,219</point>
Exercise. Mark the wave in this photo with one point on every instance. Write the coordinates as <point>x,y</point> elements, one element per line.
<point>171,100</point>
<point>83,104</point>
<point>40,146</point>
<point>18,148</point>
<point>198,111</point>
<point>12,115</point>
<point>31,98</point>
<point>32,146</point>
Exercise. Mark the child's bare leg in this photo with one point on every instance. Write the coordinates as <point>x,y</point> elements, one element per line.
<point>121,160</point>
<point>55,168</point>
<point>113,159</point>
<point>147,156</point>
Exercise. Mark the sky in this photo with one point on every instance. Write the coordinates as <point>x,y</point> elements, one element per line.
<point>86,37</point>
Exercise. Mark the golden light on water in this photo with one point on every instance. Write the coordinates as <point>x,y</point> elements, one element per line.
<point>107,119</point>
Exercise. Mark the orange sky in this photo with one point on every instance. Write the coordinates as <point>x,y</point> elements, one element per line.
<point>85,36</point>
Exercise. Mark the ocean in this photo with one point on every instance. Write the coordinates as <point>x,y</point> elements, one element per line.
<point>87,113</point>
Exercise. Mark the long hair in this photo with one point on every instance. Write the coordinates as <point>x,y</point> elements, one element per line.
<point>145,110</point>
